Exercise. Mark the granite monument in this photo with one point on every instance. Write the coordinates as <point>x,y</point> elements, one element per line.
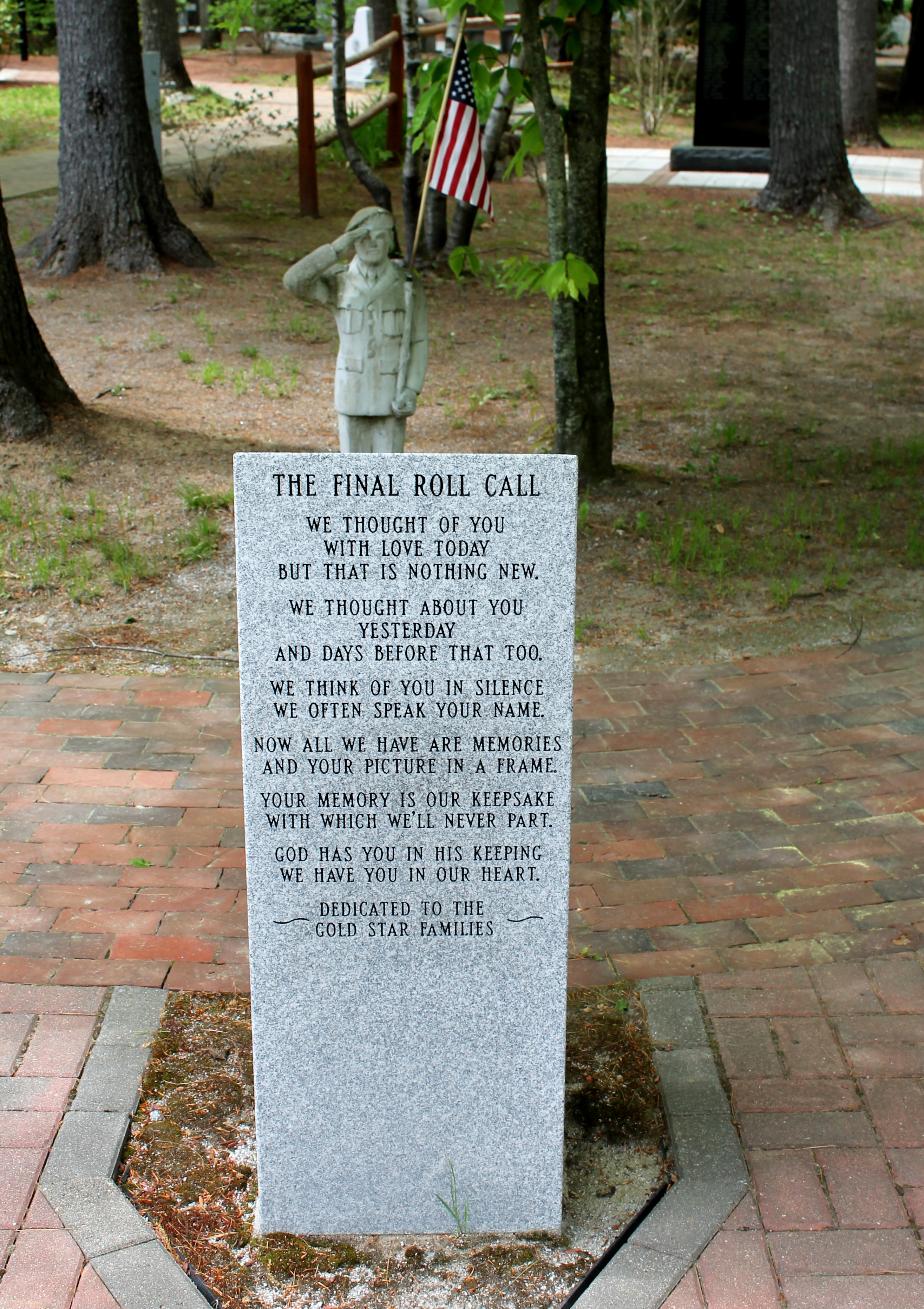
<point>406,629</point>
<point>731,125</point>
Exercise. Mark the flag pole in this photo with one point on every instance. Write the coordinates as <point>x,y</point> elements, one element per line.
<point>436,136</point>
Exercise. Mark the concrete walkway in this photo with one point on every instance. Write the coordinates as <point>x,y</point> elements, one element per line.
<point>758,825</point>
<point>30,171</point>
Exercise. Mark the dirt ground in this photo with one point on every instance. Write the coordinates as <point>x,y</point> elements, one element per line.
<point>769,384</point>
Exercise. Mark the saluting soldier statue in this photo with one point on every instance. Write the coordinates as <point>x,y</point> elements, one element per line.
<point>382,320</point>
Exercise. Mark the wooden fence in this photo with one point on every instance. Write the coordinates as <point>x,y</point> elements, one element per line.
<point>392,103</point>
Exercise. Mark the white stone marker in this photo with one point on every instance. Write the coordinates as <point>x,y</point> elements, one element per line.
<point>361,37</point>
<point>406,626</point>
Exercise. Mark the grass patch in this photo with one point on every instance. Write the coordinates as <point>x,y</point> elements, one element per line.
<point>200,541</point>
<point>28,117</point>
<point>70,548</point>
<point>196,497</point>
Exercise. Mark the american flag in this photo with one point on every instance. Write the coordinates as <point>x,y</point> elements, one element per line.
<point>458,166</point>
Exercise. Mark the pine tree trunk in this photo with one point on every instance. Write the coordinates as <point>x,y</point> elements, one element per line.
<point>31,386</point>
<point>464,215</point>
<point>911,88</point>
<point>112,203</point>
<point>808,163</point>
<point>585,124</point>
<point>160,33</point>
<point>856,23</point>
<point>361,170</point>
<point>410,167</point>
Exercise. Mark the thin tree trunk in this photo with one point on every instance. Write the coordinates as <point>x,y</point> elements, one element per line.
<point>808,163</point>
<point>382,13</point>
<point>569,401</point>
<point>363,173</point>
<point>160,32</point>
<point>464,215</point>
<point>856,24</point>
<point>587,196</point>
<point>31,385</point>
<point>911,87</point>
<point>112,201</point>
<point>209,37</point>
<point>410,168</point>
<point>435,227</point>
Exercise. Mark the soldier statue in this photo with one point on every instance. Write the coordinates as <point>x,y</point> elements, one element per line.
<point>382,320</point>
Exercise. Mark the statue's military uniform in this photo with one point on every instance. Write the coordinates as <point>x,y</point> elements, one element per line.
<point>369,307</point>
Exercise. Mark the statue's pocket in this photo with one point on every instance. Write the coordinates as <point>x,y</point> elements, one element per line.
<point>392,322</point>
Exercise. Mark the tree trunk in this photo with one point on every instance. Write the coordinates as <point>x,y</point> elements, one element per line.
<point>31,387</point>
<point>464,215</point>
<point>209,37</point>
<point>856,24</point>
<point>569,402</point>
<point>410,168</point>
<point>808,162</point>
<point>435,224</point>
<point>911,88</point>
<point>160,32</point>
<point>112,203</point>
<point>382,13</point>
<point>586,124</point>
<point>361,170</point>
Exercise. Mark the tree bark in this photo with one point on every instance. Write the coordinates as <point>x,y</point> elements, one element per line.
<point>435,227</point>
<point>31,385</point>
<point>112,201</point>
<point>209,37</point>
<point>464,215</point>
<point>569,403</point>
<point>808,163</point>
<point>586,124</point>
<point>410,167</point>
<point>160,32</point>
<point>856,24</point>
<point>911,87</point>
<point>380,193</point>
<point>382,13</point>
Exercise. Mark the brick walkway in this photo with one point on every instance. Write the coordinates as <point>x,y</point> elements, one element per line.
<point>759,824</point>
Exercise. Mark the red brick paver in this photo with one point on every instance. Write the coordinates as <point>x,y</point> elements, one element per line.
<point>759,825</point>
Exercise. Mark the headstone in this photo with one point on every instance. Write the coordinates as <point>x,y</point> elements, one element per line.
<point>731,126</point>
<point>406,626</point>
<point>361,37</point>
<point>150,60</point>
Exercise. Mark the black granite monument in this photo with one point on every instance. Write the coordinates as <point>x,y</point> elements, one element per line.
<point>731,127</point>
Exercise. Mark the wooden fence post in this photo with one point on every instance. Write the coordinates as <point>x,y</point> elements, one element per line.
<point>307,149</point>
<point>396,86</point>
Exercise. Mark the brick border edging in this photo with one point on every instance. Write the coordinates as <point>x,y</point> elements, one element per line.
<point>120,1245</point>
<point>139,1273</point>
<point>713,1173</point>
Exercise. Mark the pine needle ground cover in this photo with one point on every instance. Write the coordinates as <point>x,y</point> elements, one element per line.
<point>190,1167</point>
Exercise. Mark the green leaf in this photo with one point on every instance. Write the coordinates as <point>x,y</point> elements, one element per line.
<point>531,145</point>
<point>464,259</point>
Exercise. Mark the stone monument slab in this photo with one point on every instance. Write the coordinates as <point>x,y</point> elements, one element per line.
<point>406,628</point>
<point>731,126</point>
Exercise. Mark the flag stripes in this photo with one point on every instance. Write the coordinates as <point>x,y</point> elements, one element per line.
<point>458,165</point>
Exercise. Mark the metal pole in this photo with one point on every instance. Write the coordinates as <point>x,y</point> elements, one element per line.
<point>307,146</point>
<point>23,32</point>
